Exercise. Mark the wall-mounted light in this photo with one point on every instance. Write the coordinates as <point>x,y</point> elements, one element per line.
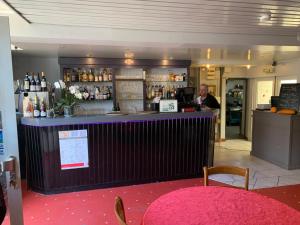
<point>249,54</point>
<point>208,53</point>
<point>165,62</point>
<point>15,48</point>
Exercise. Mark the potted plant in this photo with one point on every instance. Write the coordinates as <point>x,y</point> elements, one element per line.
<point>69,96</point>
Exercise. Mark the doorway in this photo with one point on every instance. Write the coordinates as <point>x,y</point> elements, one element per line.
<point>235,108</point>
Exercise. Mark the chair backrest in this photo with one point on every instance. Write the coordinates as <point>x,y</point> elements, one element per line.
<point>119,211</point>
<point>244,172</point>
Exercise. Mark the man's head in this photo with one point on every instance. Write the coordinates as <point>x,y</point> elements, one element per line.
<point>203,90</point>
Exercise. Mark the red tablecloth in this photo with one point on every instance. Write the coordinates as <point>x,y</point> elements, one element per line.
<point>218,206</point>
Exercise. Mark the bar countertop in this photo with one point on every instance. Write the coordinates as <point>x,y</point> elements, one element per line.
<point>94,119</point>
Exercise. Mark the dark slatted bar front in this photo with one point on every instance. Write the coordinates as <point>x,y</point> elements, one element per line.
<point>131,150</point>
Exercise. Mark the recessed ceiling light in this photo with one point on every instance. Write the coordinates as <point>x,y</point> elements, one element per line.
<point>265,17</point>
<point>129,55</point>
<point>15,48</point>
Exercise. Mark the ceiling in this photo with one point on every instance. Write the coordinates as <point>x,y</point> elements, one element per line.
<point>158,29</point>
<point>166,15</point>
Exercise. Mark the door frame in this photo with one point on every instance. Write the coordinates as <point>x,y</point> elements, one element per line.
<point>244,108</point>
<point>9,124</point>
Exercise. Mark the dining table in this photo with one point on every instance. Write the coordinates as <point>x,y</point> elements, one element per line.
<point>211,205</point>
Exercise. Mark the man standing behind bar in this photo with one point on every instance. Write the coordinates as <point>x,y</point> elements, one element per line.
<point>206,100</point>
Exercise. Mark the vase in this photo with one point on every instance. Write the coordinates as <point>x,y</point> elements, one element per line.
<point>68,111</point>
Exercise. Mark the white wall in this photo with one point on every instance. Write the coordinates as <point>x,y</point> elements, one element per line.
<point>23,64</point>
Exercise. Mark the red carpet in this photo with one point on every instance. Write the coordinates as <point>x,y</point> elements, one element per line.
<point>289,195</point>
<point>96,206</point>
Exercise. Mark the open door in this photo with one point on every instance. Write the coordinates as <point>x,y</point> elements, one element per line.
<point>9,151</point>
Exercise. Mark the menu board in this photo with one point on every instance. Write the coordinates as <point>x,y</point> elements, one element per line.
<point>73,146</point>
<point>290,96</point>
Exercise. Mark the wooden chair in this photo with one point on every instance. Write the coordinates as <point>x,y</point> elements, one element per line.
<point>244,172</point>
<point>119,211</point>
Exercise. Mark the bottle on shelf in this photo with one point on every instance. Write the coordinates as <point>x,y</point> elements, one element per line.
<point>105,75</point>
<point>79,75</point>
<point>43,83</point>
<point>110,75</point>
<point>96,75</point>
<point>91,75</point>
<point>100,77</point>
<point>183,76</point>
<point>38,83</point>
<point>84,76</point>
<point>32,83</point>
<point>26,83</point>
<point>36,107</point>
<point>43,109</point>
<point>152,91</point>
<point>73,75</point>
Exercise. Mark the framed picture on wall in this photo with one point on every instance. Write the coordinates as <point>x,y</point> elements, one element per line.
<point>212,89</point>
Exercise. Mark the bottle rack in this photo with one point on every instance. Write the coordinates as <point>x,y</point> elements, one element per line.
<point>116,65</point>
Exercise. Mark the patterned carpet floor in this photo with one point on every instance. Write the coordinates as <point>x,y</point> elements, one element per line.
<point>95,207</point>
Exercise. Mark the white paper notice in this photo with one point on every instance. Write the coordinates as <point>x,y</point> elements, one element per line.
<point>73,145</point>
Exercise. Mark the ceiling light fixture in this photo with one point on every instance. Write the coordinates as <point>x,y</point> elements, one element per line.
<point>265,17</point>
<point>15,48</point>
<point>129,55</point>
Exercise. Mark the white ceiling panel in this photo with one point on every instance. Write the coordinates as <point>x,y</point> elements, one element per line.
<point>226,16</point>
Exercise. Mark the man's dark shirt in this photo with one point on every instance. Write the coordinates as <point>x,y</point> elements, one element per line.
<point>211,102</point>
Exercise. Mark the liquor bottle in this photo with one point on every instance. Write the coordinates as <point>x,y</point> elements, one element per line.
<point>26,83</point>
<point>73,75</point>
<point>36,107</point>
<point>38,83</point>
<point>105,75</point>
<point>84,76</point>
<point>96,76</point>
<point>43,109</point>
<point>109,76</point>
<point>100,78</point>
<point>32,83</point>
<point>183,76</point>
<point>152,91</point>
<point>43,83</point>
<point>91,75</point>
<point>79,75</point>
<point>68,75</point>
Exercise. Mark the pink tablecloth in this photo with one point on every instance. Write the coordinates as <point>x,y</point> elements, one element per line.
<point>218,206</point>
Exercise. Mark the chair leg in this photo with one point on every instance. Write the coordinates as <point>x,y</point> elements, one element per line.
<point>205,178</point>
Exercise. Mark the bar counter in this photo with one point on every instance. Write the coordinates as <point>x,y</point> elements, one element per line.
<point>122,150</point>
